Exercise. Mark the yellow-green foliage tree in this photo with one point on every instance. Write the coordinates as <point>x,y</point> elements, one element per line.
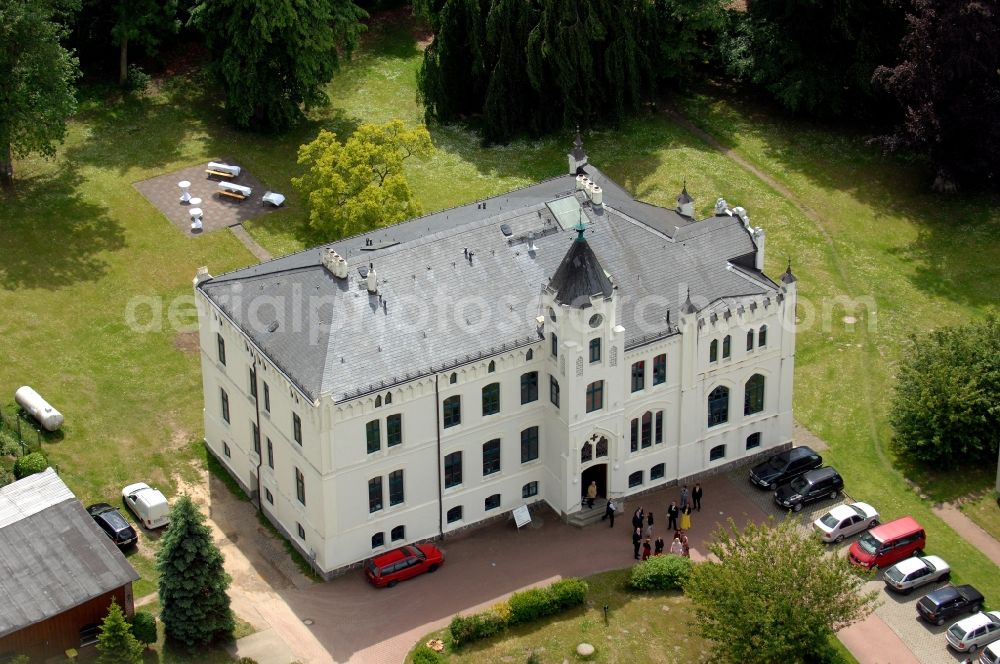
<point>358,185</point>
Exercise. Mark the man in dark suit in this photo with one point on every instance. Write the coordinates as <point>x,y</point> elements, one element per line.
<point>672,513</point>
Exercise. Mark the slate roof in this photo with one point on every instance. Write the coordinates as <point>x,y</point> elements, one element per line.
<point>52,555</point>
<point>437,308</point>
<point>580,275</point>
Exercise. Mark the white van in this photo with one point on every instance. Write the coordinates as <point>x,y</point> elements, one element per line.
<point>148,505</point>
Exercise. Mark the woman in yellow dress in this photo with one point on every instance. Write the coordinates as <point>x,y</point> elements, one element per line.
<point>686,518</point>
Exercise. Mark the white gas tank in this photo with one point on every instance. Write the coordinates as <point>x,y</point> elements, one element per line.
<point>32,402</point>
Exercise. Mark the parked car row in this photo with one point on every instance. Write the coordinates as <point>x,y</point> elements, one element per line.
<point>797,476</point>
<point>148,505</point>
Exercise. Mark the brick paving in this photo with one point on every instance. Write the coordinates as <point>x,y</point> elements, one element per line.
<point>219,211</point>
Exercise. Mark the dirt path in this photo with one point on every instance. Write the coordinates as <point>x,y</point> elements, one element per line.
<point>258,251</point>
<point>969,530</point>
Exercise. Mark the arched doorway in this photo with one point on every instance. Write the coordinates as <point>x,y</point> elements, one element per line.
<point>596,473</point>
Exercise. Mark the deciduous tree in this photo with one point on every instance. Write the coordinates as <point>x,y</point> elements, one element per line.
<point>144,22</point>
<point>948,86</point>
<point>358,185</point>
<point>36,80</point>
<point>946,407</point>
<point>274,57</point>
<point>193,582</point>
<point>115,643</point>
<point>774,595</point>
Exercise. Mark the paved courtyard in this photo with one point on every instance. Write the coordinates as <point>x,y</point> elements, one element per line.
<point>219,211</point>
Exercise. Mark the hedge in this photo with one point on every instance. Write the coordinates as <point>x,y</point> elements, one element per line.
<point>30,464</point>
<point>144,627</point>
<point>424,655</point>
<point>660,573</point>
<point>522,607</point>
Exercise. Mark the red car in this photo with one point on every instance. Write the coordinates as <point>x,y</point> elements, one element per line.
<point>403,563</point>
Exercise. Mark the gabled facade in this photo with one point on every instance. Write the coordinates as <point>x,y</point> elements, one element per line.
<point>416,380</point>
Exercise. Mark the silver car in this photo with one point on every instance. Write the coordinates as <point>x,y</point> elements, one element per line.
<point>909,573</point>
<point>845,520</point>
<point>974,632</point>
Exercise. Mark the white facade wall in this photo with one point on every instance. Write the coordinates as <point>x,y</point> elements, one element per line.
<point>336,466</point>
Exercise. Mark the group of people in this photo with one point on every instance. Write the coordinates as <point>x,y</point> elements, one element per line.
<point>644,521</point>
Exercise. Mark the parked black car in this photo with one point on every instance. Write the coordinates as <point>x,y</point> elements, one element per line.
<point>114,524</point>
<point>784,467</point>
<point>811,486</point>
<point>940,605</point>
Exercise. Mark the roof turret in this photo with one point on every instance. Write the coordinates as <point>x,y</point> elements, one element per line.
<point>580,275</point>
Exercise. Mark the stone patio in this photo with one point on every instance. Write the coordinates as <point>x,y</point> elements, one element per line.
<point>219,211</point>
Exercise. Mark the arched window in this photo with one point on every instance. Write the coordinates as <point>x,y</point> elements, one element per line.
<point>727,347</point>
<point>529,356</point>
<point>762,336</point>
<point>595,350</point>
<point>713,351</point>
<point>586,452</point>
<point>388,398</point>
<point>378,401</point>
<point>492,367</point>
<point>452,411</point>
<point>753,395</point>
<point>491,399</point>
<point>647,429</point>
<point>453,378</point>
<point>595,396</point>
<point>749,341</point>
<point>602,447</point>
<point>718,406</point>
<point>634,435</point>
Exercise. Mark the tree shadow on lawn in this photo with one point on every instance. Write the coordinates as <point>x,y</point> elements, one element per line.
<point>947,485</point>
<point>54,237</point>
<point>953,255</point>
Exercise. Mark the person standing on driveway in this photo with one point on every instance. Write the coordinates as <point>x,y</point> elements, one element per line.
<point>672,513</point>
<point>647,549</point>
<point>696,496</point>
<point>676,547</point>
<point>649,525</point>
<point>684,497</point>
<point>658,550</point>
<point>636,541</point>
<point>609,512</point>
<point>686,518</point>
<point>638,518</point>
<point>591,493</point>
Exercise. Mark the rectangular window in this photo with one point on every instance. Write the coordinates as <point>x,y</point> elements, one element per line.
<point>554,391</point>
<point>555,345</point>
<point>749,341</point>
<point>225,405</point>
<point>297,428</point>
<point>267,398</point>
<point>455,514</point>
<point>222,348</point>
<point>378,539</point>
<point>753,440</point>
<point>394,430</point>
<point>268,496</point>
<point>492,502</point>
<point>374,436</point>
<point>595,350</point>
<point>491,399</point>
<point>374,494</point>
<point>595,396</point>
<point>647,430</point>
<point>657,471</point>
<point>300,530</point>
<point>635,479</point>
<point>727,343</point>
<point>529,444</point>
<point>398,533</point>
<point>253,382</point>
<point>491,457</point>
<point>530,489</point>
<point>658,438</point>
<point>300,486</point>
<point>255,433</point>
<point>452,411</point>
<point>453,469</point>
<point>395,487</point>
<point>638,375</point>
<point>270,454</point>
<point>717,452</point>
<point>660,369</point>
<point>226,450</point>
<point>634,435</point>
<point>529,387</point>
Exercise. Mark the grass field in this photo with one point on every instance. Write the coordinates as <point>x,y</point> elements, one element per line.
<point>81,251</point>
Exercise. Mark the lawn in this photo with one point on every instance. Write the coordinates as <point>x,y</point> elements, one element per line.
<point>163,652</point>
<point>653,627</point>
<point>985,511</point>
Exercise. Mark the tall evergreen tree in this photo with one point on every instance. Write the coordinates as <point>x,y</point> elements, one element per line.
<point>273,57</point>
<point>144,22</point>
<point>36,79</point>
<point>511,101</point>
<point>453,78</point>
<point>948,86</point>
<point>115,643</point>
<point>193,582</point>
<point>679,35</point>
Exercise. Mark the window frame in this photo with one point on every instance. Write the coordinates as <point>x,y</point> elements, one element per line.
<point>635,479</point>
<point>394,430</point>
<point>638,376</point>
<point>253,381</point>
<point>595,350</point>
<point>554,391</point>
<point>393,537</point>
<point>595,396</point>
<point>762,337</point>
<point>300,485</point>
<point>297,427</point>
<point>658,428</point>
<point>267,397</point>
<point>716,453</point>
<point>452,464</point>
<point>224,396</point>
<point>713,351</point>
<point>452,407</point>
<point>378,540</point>
<point>658,472</point>
<point>718,414</point>
<point>221,346</point>
<point>490,499</point>
<point>530,489</point>
<point>491,457</point>
<point>270,453</point>
<point>755,436</point>
<point>727,347</point>
<point>255,436</point>
<point>529,444</point>
<point>753,394</point>
<point>376,500</point>
<point>554,342</point>
<point>659,369</point>
<point>750,340</point>
<point>529,387</point>
<point>634,435</point>
<point>397,491</point>
<point>646,428</point>
<point>491,399</point>
<point>373,435</point>
<point>454,514</point>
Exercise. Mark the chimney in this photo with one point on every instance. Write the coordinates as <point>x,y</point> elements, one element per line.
<point>334,263</point>
<point>758,238</point>
<point>372,279</point>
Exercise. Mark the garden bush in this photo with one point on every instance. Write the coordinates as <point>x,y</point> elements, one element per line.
<point>660,573</point>
<point>144,627</point>
<point>424,655</point>
<point>9,446</point>
<point>530,605</point>
<point>6,477</point>
<point>569,593</point>
<point>30,464</point>
<point>465,629</point>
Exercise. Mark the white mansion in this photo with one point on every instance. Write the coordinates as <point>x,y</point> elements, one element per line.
<point>412,381</point>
